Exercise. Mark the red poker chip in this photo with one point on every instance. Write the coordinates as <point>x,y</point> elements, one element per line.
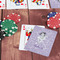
<point>15,17</point>
<point>54,22</point>
<point>4,18</point>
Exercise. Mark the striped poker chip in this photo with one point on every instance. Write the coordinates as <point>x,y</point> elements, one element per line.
<point>0,24</point>
<point>9,27</point>
<point>54,22</point>
<point>13,16</point>
<point>51,14</point>
<point>2,34</point>
<point>5,18</point>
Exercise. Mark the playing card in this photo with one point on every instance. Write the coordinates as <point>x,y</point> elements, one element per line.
<point>41,41</point>
<point>55,3</point>
<point>38,4</point>
<point>26,31</point>
<point>2,4</point>
<point>16,4</point>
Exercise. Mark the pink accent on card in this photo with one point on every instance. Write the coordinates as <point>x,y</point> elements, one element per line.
<point>23,27</point>
<point>47,5</point>
<point>0,6</point>
<point>25,5</point>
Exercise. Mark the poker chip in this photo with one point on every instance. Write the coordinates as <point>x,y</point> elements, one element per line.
<point>5,18</point>
<point>2,34</point>
<point>13,16</point>
<point>51,14</point>
<point>54,22</point>
<point>9,27</point>
<point>0,24</point>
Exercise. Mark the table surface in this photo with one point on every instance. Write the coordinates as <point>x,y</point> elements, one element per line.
<point>10,45</point>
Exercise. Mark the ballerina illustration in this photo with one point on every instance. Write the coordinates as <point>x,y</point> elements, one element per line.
<point>42,36</point>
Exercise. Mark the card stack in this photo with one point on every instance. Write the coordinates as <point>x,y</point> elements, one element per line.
<point>40,40</point>
<point>8,26</point>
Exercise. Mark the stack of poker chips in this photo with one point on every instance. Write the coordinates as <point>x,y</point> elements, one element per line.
<point>53,20</point>
<point>8,26</point>
<point>2,33</point>
<point>0,23</point>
